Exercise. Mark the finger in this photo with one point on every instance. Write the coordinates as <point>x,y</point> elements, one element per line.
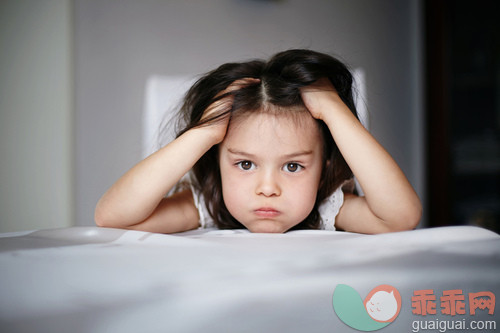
<point>216,108</point>
<point>322,84</point>
<point>223,100</point>
<point>241,83</point>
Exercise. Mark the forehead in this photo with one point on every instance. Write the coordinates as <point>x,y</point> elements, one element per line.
<point>277,133</point>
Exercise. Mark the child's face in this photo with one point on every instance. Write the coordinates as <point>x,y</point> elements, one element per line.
<point>270,170</point>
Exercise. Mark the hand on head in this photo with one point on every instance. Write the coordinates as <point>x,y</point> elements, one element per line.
<point>217,115</point>
<point>317,95</point>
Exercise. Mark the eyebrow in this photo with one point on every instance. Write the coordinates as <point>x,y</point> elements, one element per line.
<point>291,155</point>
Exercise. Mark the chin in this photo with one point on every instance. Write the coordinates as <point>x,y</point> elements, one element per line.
<point>267,226</point>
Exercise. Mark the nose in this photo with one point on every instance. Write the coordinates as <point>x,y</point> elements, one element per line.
<point>268,184</point>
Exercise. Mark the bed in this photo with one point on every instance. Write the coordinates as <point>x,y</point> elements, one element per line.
<point>89,279</point>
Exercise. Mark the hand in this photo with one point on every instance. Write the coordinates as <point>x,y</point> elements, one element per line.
<point>319,97</point>
<point>218,127</point>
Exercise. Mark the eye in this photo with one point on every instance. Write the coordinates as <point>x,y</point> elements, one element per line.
<point>246,165</point>
<point>292,167</point>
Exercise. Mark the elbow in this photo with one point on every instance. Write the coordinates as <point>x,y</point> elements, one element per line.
<point>102,218</point>
<point>415,213</point>
<point>411,217</point>
<point>99,219</point>
<point>405,220</point>
<point>108,217</point>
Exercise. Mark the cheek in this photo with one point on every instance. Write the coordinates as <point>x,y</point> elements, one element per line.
<point>307,197</point>
<point>310,184</point>
<point>303,195</point>
<point>232,187</point>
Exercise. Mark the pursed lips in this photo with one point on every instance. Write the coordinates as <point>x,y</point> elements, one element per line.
<point>267,212</point>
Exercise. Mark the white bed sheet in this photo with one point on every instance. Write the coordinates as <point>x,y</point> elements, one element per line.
<point>88,279</point>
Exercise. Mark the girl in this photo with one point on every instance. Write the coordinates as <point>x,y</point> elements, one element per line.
<point>269,146</point>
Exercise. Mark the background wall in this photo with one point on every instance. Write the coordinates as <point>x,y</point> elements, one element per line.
<point>53,172</point>
<point>36,114</point>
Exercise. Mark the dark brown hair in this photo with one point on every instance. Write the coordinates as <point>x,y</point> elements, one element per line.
<point>278,90</point>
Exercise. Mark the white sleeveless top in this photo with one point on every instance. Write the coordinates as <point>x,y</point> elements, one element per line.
<point>328,210</point>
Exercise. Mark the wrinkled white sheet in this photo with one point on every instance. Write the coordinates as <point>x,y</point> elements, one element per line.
<point>109,280</point>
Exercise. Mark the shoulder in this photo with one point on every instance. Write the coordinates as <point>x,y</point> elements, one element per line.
<point>205,220</point>
<point>330,208</point>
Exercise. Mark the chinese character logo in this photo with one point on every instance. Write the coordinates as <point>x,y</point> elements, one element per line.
<point>380,308</point>
<point>453,303</point>
<point>487,301</point>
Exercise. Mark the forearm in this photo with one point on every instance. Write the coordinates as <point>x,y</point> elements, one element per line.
<point>135,196</point>
<point>389,195</point>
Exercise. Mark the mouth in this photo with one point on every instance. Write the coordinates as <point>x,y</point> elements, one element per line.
<point>267,212</point>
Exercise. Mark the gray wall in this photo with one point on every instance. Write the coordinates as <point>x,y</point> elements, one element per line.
<point>36,115</point>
